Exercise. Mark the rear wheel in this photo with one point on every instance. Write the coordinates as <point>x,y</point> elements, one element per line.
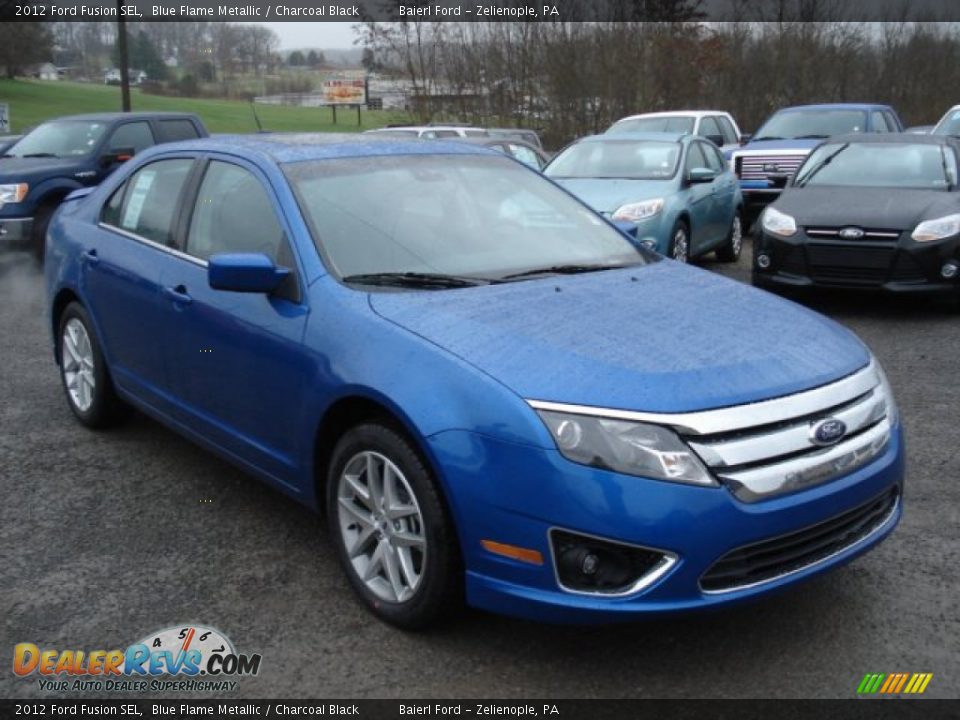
<point>730,250</point>
<point>86,382</point>
<point>390,527</point>
<point>680,242</point>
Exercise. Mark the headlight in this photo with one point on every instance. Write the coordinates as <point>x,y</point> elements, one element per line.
<point>626,447</point>
<point>13,193</point>
<point>778,223</point>
<point>639,210</point>
<point>887,391</point>
<point>937,229</point>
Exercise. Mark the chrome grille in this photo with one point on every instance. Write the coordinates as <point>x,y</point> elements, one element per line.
<point>752,166</point>
<point>881,234</point>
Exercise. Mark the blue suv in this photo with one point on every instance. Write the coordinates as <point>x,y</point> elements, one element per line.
<point>779,147</point>
<point>493,394</point>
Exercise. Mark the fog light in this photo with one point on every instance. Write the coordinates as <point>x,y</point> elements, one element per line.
<point>763,261</point>
<point>590,565</point>
<point>949,271</point>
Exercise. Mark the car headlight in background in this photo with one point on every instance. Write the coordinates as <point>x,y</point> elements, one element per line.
<point>937,229</point>
<point>13,193</point>
<point>639,210</point>
<point>626,447</point>
<point>778,223</point>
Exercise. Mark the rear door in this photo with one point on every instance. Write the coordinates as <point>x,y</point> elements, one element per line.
<point>724,193</point>
<point>121,274</point>
<point>237,359</point>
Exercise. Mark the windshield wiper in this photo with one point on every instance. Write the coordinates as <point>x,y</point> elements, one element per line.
<point>766,137</point>
<point>39,155</point>
<point>811,137</point>
<point>802,182</point>
<point>561,270</point>
<point>417,279</point>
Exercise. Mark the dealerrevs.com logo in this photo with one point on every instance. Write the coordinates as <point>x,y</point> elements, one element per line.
<point>182,659</point>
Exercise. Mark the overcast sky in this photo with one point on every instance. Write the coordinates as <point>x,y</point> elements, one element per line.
<point>312,34</point>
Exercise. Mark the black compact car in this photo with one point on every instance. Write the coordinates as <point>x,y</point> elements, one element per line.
<point>865,211</point>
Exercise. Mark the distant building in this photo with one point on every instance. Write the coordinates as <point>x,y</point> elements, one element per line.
<point>46,71</point>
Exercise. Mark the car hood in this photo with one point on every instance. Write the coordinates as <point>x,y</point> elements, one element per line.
<point>878,208</point>
<point>28,169</point>
<point>606,195</point>
<point>661,338</point>
<point>775,145</point>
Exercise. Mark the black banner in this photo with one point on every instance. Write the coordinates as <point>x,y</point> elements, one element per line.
<point>482,10</point>
<point>488,709</point>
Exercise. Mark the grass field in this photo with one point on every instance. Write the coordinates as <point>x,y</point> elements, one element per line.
<point>33,101</point>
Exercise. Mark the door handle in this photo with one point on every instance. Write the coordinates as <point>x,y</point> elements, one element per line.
<point>91,257</point>
<point>178,295</point>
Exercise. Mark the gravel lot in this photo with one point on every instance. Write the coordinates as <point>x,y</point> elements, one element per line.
<point>105,537</point>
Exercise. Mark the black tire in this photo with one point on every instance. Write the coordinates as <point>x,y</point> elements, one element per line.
<point>733,246</point>
<point>675,242</point>
<point>38,235</point>
<point>105,408</point>
<point>440,588</point>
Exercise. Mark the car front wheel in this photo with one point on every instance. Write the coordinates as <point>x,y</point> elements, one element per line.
<point>390,528</point>
<point>83,371</point>
<point>680,243</point>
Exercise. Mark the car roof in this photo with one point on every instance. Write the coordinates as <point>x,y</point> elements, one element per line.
<point>298,147</point>
<point>894,139</point>
<point>113,116</point>
<point>653,136</point>
<point>674,113</point>
<point>837,106</point>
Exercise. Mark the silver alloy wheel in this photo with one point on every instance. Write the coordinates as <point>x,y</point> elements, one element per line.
<point>681,245</point>
<point>381,526</point>
<point>736,236</point>
<point>76,361</point>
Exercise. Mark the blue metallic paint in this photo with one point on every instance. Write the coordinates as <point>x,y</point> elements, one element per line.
<point>453,368</point>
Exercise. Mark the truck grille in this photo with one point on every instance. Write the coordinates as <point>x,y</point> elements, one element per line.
<point>754,167</point>
<point>771,559</point>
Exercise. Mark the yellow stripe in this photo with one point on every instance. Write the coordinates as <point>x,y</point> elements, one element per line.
<point>913,683</point>
<point>903,680</point>
<point>887,683</point>
<point>926,681</point>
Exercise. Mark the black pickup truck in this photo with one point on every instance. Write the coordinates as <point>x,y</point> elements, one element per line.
<point>68,153</point>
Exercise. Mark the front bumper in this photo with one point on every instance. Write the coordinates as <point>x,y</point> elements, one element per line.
<point>14,230</point>
<point>897,266</point>
<point>516,494</point>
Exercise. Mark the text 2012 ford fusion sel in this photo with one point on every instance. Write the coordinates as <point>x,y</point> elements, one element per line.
<point>490,391</point>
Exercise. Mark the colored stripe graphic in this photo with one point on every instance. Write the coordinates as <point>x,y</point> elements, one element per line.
<point>894,683</point>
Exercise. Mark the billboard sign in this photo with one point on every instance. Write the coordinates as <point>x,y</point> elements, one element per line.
<point>345,91</point>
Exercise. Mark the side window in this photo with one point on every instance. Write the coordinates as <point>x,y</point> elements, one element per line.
<point>173,130</point>
<point>525,155</point>
<point>146,202</point>
<point>726,129</point>
<point>695,158</point>
<point>446,134</point>
<point>879,121</point>
<point>708,126</point>
<point>891,121</point>
<point>136,135</point>
<point>713,157</point>
<point>233,214</point>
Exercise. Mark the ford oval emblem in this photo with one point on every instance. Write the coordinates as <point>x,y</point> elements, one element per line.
<point>851,233</point>
<point>770,168</point>
<point>828,432</point>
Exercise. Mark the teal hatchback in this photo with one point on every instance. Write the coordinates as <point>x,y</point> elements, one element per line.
<point>677,190</point>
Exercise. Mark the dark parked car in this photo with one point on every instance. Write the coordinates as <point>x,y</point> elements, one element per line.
<point>867,211</point>
<point>518,149</point>
<point>63,155</point>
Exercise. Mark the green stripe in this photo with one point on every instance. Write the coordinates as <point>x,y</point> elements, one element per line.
<point>864,683</point>
<point>879,681</point>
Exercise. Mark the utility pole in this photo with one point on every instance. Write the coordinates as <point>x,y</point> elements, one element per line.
<point>124,62</point>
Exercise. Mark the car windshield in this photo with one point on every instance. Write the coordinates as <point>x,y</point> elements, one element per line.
<point>950,125</point>
<point>459,215</point>
<point>631,159</point>
<point>812,123</point>
<point>883,165</point>
<point>64,138</point>
<point>669,123</point>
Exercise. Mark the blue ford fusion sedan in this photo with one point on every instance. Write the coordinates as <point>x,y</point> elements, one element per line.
<point>453,359</point>
<point>676,190</point>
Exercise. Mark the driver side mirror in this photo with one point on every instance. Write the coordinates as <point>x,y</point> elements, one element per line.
<point>701,175</point>
<point>117,155</point>
<point>244,272</point>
